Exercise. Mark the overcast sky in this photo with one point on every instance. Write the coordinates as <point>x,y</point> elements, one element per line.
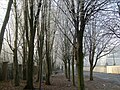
<point>3,7</point>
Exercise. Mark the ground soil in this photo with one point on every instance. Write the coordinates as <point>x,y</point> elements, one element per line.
<point>59,82</point>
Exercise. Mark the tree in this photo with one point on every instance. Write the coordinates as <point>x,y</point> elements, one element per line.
<point>5,23</point>
<point>47,32</point>
<point>33,23</point>
<point>98,43</point>
<point>114,24</point>
<point>118,4</point>
<point>25,30</point>
<point>65,27</point>
<point>49,40</point>
<point>81,12</point>
<point>65,50</point>
<point>74,57</point>
<point>40,44</point>
<point>16,72</point>
<point>15,47</point>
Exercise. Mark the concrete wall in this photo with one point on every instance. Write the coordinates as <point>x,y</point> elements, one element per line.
<point>113,69</point>
<point>97,69</point>
<point>105,69</point>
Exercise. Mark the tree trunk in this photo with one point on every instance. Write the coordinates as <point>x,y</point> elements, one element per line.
<point>80,56</point>
<point>91,73</point>
<point>30,67</point>
<point>38,72</point>
<point>48,75</point>
<point>16,67</point>
<point>5,23</point>
<point>24,57</point>
<point>48,44</point>
<point>41,49</point>
<point>33,24</point>
<point>66,73</point>
<point>40,75</point>
<point>80,34</point>
<point>73,75</point>
<point>30,49</point>
<point>40,44</point>
<point>48,64</point>
<point>24,66</point>
<point>48,60</point>
<point>16,72</point>
<point>25,41</point>
<point>80,69</point>
<point>68,69</point>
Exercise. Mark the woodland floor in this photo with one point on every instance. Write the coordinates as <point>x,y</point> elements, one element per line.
<point>58,82</point>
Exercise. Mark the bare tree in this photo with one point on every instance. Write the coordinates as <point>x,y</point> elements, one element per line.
<point>40,44</point>
<point>5,23</point>
<point>15,47</point>
<point>80,12</point>
<point>47,31</point>
<point>25,34</point>
<point>33,23</point>
<point>16,72</point>
<point>99,44</point>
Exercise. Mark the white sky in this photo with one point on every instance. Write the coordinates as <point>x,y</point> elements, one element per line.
<point>3,7</point>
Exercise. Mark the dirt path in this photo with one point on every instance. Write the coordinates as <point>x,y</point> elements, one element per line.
<point>100,84</point>
<point>59,82</point>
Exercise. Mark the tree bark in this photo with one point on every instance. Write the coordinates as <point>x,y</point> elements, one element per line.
<point>24,59</point>
<point>73,75</point>
<point>25,41</point>
<point>91,73</point>
<point>33,23</point>
<point>40,48</point>
<point>68,69</point>
<point>66,73</point>
<point>41,51</point>
<point>80,68</point>
<point>48,63</point>
<point>80,34</point>
<point>16,67</point>
<point>48,52</point>
<point>30,50</point>
<point>80,71</point>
